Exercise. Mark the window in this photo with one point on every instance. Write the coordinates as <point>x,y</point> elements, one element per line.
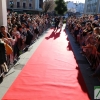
<point>40,3</point>
<point>30,5</point>
<point>24,5</point>
<point>18,4</point>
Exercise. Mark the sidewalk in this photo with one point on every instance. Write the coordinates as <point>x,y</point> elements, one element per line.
<point>14,72</point>
<point>83,67</point>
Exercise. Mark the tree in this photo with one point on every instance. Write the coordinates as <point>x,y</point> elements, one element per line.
<point>47,5</point>
<point>61,7</point>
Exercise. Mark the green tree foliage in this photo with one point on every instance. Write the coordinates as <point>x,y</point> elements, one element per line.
<point>61,7</point>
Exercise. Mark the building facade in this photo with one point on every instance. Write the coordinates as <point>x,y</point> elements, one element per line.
<point>25,5</point>
<point>71,6</point>
<point>75,7</point>
<point>80,8</point>
<point>92,7</point>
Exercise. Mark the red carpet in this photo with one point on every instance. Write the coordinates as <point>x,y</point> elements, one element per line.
<point>51,73</point>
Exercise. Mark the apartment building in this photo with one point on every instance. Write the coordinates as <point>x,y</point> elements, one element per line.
<point>92,7</point>
<point>25,5</point>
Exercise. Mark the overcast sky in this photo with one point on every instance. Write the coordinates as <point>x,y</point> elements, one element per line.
<point>83,1</point>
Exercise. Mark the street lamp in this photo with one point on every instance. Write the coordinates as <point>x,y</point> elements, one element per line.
<point>11,3</point>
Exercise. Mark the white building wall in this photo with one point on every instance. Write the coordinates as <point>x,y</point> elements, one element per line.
<point>71,5</point>
<point>37,5</point>
<point>79,7</point>
<point>3,13</point>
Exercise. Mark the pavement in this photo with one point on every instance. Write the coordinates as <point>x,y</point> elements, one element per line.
<point>84,67</point>
<point>81,60</point>
<point>16,69</point>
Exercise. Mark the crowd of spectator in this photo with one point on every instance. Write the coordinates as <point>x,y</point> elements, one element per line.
<point>22,30</point>
<point>86,31</point>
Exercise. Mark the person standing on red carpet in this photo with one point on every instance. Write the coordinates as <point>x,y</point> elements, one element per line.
<point>56,23</point>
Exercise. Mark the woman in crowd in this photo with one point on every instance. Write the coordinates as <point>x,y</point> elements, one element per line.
<point>36,31</point>
<point>16,45</point>
<point>86,31</point>
<point>19,35</point>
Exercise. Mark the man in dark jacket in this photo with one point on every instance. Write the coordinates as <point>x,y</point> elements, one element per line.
<point>56,22</point>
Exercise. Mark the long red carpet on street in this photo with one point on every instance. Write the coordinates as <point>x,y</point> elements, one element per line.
<point>50,74</point>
